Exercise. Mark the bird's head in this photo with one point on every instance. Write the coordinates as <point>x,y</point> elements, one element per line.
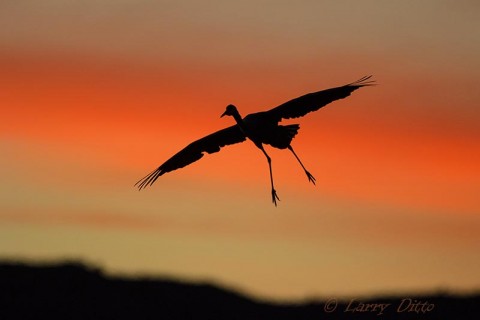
<point>230,111</point>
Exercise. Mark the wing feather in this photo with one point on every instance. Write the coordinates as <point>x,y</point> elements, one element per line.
<point>194,152</point>
<point>310,102</point>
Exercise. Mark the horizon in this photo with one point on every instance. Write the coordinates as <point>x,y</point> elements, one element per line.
<point>92,268</point>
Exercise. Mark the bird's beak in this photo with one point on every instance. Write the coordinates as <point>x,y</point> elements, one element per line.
<point>223,114</point>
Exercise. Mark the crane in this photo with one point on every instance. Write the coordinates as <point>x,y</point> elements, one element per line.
<point>261,128</point>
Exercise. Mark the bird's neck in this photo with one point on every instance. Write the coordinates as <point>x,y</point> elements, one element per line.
<point>238,119</point>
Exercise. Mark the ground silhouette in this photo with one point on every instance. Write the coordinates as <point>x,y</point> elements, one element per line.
<point>73,290</point>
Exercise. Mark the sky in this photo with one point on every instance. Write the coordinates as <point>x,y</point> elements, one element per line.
<point>96,94</point>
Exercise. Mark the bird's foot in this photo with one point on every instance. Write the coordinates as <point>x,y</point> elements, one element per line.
<point>275,197</point>
<point>310,177</point>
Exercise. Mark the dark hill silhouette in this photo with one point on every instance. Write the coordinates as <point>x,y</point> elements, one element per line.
<point>75,291</point>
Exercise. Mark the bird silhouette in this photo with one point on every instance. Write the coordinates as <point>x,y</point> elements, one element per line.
<point>261,128</point>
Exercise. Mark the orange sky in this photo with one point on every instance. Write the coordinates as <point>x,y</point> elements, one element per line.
<point>93,97</point>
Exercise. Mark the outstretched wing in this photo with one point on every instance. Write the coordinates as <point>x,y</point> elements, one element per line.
<point>193,152</point>
<point>310,102</point>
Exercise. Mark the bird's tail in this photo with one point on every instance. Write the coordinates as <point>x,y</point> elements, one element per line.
<point>283,136</point>
<point>291,130</point>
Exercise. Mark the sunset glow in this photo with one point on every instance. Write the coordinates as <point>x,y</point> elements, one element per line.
<point>95,96</point>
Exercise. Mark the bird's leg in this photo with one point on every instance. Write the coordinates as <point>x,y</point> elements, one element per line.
<point>309,175</point>
<point>274,193</point>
